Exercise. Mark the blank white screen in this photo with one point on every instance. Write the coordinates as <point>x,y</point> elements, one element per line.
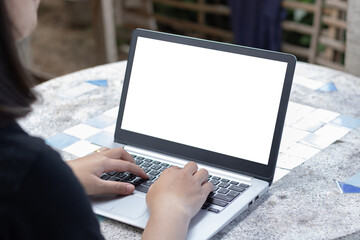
<point>209,99</point>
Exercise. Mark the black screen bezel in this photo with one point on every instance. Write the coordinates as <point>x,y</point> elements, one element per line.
<point>264,172</point>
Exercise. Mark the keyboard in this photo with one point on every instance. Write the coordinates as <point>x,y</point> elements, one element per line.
<point>225,190</point>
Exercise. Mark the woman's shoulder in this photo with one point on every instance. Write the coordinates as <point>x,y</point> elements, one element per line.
<point>39,189</point>
<point>18,153</point>
<point>15,142</point>
<point>18,146</point>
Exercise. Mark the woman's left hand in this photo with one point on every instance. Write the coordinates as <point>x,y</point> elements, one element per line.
<point>89,169</point>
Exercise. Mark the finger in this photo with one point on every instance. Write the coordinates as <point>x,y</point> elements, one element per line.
<point>207,187</point>
<point>191,167</point>
<point>119,153</point>
<point>117,187</point>
<point>123,166</point>
<point>201,175</point>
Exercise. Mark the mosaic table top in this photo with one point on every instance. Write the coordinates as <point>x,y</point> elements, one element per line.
<point>321,141</point>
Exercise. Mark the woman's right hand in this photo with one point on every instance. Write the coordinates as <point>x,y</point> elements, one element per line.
<point>174,199</point>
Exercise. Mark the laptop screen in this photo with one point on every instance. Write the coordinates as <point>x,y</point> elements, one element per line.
<point>204,98</point>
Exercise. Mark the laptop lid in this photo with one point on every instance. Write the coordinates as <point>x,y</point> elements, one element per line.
<point>214,103</point>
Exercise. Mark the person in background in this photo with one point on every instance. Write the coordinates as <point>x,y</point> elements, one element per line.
<point>43,197</point>
<point>257,23</point>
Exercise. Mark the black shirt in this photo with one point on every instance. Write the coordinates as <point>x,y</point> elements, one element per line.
<point>40,198</point>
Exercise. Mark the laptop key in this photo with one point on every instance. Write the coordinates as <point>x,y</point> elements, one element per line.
<point>234,183</point>
<point>237,188</point>
<point>127,179</point>
<point>147,164</point>
<point>139,181</point>
<point>151,177</point>
<point>148,183</point>
<point>223,190</point>
<point>233,194</point>
<point>148,160</point>
<point>224,185</point>
<point>205,206</point>
<point>140,158</point>
<point>216,178</point>
<point>105,176</point>
<point>142,188</point>
<point>154,172</point>
<point>155,167</point>
<point>120,175</point>
<point>244,185</point>
<point>115,179</point>
<point>156,162</point>
<point>226,198</point>
<point>214,182</point>
<point>133,156</point>
<point>213,210</point>
<point>216,202</point>
<point>225,180</point>
<point>164,164</point>
<point>138,162</point>
<point>112,173</point>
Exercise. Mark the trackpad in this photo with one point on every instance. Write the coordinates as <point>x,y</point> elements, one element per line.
<point>132,206</point>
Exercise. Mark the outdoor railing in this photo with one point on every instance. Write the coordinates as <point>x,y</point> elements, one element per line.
<point>321,31</point>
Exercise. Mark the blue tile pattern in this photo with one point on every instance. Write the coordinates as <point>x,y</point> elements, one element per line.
<point>347,188</point>
<point>328,87</point>
<point>100,82</point>
<point>354,180</point>
<point>104,139</point>
<point>101,121</point>
<point>346,121</point>
<point>61,140</point>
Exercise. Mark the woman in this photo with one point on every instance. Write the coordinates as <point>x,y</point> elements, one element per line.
<point>41,196</point>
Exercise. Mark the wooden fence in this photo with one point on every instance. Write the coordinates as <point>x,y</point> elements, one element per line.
<point>326,32</point>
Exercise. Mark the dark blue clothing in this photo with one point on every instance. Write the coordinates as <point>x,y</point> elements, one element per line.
<point>40,198</point>
<point>257,23</point>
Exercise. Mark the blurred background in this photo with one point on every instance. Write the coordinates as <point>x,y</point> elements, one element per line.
<point>77,34</point>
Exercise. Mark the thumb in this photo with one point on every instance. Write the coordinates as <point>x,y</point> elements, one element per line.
<point>117,187</point>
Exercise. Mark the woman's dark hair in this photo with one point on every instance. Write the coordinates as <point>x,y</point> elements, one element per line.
<point>16,94</point>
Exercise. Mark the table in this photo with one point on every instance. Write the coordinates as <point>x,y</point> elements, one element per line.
<point>304,204</point>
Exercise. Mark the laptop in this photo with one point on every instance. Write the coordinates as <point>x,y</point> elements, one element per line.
<point>220,105</point>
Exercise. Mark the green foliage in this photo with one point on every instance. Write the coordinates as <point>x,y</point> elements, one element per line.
<point>169,11</point>
<point>192,16</point>
<point>299,16</point>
